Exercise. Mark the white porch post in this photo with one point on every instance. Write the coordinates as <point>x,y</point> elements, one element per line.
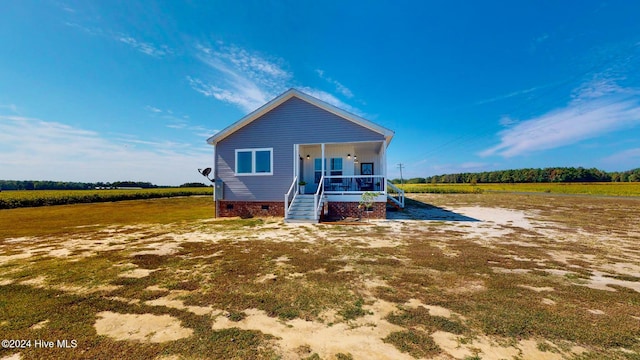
<point>323,161</point>
<point>383,163</point>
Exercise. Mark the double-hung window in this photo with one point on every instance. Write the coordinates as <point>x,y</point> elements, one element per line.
<point>254,161</point>
<point>317,170</point>
<point>336,169</point>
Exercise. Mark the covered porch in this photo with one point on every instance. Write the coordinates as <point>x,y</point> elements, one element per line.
<point>332,176</point>
<point>342,168</point>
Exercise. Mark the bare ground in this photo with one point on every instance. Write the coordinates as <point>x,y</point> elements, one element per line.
<point>451,277</point>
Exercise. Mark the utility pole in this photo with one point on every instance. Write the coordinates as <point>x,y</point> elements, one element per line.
<point>400,166</point>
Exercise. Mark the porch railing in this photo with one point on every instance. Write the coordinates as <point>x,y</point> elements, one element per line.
<point>336,184</point>
<point>317,199</point>
<point>293,189</point>
<point>395,194</point>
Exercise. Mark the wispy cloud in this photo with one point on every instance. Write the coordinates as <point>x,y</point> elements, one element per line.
<point>339,87</point>
<point>152,109</point>
<point>248,79</point>
<point>37,149</point>
<point>65,7</point>
<point>239,77</point>
<point>11,107</point>
<point>600,86</point>
<point>331,99</point>
<point>598,107</point>
<point>537,42</point>
<point>179,122</point>
<point>147,48</point>
<point>86,29</point>
<point>510,95</point>
<point>623,160</point>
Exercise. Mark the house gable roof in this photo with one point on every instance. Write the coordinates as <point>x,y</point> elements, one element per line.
<point>256,114</point>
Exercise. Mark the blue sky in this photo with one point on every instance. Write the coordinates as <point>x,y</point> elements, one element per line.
<point>107,91</point>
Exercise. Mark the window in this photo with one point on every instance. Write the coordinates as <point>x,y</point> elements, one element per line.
<point>254,161</point>
<point>336,166</point>
<point>336,169</point>
<point>317,170</point>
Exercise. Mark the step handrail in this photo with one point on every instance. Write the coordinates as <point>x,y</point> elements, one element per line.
<point>400,193</point>
<point>317,199</point>
<point>288,194</point>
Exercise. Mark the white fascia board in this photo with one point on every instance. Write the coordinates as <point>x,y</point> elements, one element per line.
<point>388,134</point>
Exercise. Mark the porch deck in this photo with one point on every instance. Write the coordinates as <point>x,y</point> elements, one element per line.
<point>340,192</point>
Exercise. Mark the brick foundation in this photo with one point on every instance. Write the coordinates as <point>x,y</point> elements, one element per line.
<point>227,208</point>
<point>350,209</point>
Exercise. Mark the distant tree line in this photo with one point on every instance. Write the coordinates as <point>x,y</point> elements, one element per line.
<point>547,175</point>
<point>65,185</point>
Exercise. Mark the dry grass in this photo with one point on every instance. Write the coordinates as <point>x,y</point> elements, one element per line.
<point>556,278</point>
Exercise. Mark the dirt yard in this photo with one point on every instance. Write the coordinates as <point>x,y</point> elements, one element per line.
<point>483,276</point>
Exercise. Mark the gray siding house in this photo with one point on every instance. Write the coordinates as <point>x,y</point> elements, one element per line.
<point>301,158</point>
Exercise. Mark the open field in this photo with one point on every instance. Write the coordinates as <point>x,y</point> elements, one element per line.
<point>605,189</point>
<point>465,276</point>
<point>30,198</point>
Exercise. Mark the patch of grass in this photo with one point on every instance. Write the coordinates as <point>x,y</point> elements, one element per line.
<point>441,188</point>
<point>150,261</point>
<point>237,224</point>
<point>504,310</point>
<point>352,312</point>
<point>545,347</point>
<point>421,317</point>
<point>341,356</point>
<point>623,277</point>
<point>88,218</point>
<point>416,343</point>
<point>237,316</point>
<point>188,285</point>
<point>230,343</point>
<point>474,357</point>
<point>86,272</point>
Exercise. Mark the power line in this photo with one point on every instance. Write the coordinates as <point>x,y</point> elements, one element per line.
<point>400,166</point>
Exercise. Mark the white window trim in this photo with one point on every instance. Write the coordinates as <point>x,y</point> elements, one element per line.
<point>253,162</point>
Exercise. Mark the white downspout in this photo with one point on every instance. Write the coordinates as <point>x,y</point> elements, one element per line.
<point>296,161</point>
<point>213,171</point>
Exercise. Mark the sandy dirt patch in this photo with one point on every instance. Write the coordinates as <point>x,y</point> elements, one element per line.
<point>172,302</point>
<point>361,338</point>
<point>266,278</point>
<point>39,325</point>
<point>15,356</point>
<point>159,248</point>
<point>136,273</point>
<point>140,327</point>
<point>489,349</point>
<point>600,281</point>
<point>434,310</point>
<point>537,289</point>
